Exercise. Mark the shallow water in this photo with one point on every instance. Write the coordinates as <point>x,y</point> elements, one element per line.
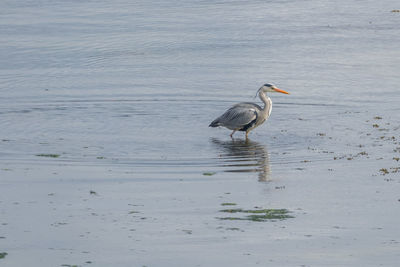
<point>106,157</point>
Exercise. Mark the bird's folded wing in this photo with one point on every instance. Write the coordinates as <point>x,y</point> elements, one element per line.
<point>238,116</point>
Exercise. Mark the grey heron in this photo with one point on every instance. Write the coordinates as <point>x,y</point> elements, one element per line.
<point>246,116</point>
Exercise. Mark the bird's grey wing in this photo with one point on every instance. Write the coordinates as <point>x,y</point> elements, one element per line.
<point>238,116</point>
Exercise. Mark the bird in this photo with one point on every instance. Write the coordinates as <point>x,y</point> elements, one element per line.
<point>246,116</point>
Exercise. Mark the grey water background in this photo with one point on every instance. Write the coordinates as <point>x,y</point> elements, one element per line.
<point>123,92</point>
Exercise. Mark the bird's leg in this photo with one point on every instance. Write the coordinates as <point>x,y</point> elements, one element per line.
<point>232,133</point>
<point>247,134</point>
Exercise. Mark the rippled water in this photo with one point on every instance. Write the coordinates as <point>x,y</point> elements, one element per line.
<point>122,93</point>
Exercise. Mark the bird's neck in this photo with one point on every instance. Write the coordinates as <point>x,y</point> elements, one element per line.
<point>267,103</point>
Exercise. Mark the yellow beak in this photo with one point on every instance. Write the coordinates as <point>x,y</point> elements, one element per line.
<point>280,91</point>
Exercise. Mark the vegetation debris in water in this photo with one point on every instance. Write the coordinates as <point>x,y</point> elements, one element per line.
<point>228,204</point>
<point>395,169</point>
<point>208,173</point>
<point>3,255</point>
<point>384,171</point>
<point>133,212</point>
<point>189,232</point>
<point>48,155</point>
<point>258,215</point>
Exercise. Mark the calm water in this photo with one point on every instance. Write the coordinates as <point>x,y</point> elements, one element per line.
<point>123,91</point>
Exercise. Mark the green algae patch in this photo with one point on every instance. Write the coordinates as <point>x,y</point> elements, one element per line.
<point>230,218</point>
<point>208,173</point>
<point>133,212</point>
<point>258,215</point>
<point>3,255</point>
<point>233,229</point>
<point>48,155</point>
<point>228,204</point>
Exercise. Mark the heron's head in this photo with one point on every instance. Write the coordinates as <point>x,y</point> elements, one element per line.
<point>271,88</point>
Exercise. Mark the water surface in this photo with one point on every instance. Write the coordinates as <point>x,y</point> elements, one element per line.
<point>106,157</point>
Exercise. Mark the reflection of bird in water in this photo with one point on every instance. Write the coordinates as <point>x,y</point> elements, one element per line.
<point>244,156</point>
<point>247,116</point>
